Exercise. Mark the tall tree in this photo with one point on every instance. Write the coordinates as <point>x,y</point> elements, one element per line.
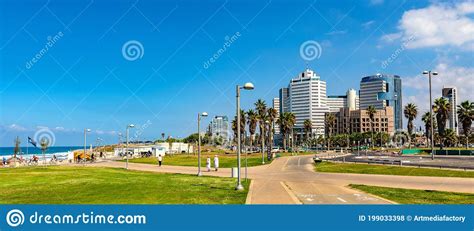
<point>371,111</point>
<point>466,115</point>
<point>426,118</point>
<point>261,108</point>
<point>330,122</point>
<point>252,119</point>
<point>308,127</point>
<point>410,113</point>
<point>272,117</point>
<point>441,108</point>
<point>234,128</point>
<point>286,121</point>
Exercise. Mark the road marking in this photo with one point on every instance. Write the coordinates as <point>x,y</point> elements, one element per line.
<point>340,199</point>
<point>292,195</point>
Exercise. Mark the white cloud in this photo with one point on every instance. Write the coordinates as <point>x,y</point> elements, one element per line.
<point>449,76</point>
<point>439,25</point>
<point>392,37</point>
<point>16,128</point>
<point>367,25</point>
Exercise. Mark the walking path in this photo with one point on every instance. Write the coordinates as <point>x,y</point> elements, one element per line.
<point>292,180</point>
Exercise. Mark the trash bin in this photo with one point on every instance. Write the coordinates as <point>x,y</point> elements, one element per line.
<point>234,173</point>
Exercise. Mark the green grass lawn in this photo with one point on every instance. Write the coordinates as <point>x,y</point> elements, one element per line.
<point>225,161</point>
<point>388,170</point>
<point>414,196</point>
<point>91,185</point>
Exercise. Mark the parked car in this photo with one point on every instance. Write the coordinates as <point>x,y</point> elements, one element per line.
<point>316,159</point>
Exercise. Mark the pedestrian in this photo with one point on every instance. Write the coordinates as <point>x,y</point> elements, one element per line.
<point>216,162</point>
<point>160,159</point>
<point>208,164</point>
<point>4,161</point>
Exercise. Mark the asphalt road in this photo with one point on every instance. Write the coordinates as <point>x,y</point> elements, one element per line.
<point>455,162</point>
<point>292,180</point>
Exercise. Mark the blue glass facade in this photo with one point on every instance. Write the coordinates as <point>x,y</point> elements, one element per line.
<point>391,95</point>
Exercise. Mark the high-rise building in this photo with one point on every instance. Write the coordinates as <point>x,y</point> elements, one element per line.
<point>350,100</point>
<point>382,91</point>
<point>219,128</point>
<point>284,96</point>
<point>276,106</point>
<point>308,101</point>
<point>451,94</point>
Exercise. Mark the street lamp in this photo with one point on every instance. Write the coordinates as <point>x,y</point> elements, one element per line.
<point>86,130</point>
<point>126,147</point>
<point>247,86</point>
<point>429,73</point>
<point>204,114</point>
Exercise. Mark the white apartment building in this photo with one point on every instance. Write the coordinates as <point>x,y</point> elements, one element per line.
<point>276,106</point>
<point>219,128</point>
<point>451,94</point>
<point>308,101</point>
<point>350,100</point>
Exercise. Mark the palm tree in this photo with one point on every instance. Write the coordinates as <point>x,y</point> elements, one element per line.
<point>441,108</point>
<point>286,121</point>
<point>465,116</point>
<point>252,119</point>
<point>450,138</point>
<point>426,118</point>
<point>261,108</point>
<point>308,126</point>
<point>371,113</point>
<point>234,127</point>
<point>272,116</point>
<point>330,121</point>
<point>242,126</point>
<point>410,112</point>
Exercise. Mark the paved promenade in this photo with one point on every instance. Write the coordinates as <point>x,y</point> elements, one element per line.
<point>292,180</point>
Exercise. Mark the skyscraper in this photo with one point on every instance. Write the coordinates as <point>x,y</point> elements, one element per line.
<point>284,95</point>
<point>381,91</point>
<point>276,106</point>
<point>451,94</point>
<point>219,128</point>
<point>308,101</point>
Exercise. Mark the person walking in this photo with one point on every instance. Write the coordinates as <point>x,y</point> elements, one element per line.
<point>208,164</point>
<point>216,162</point>
<point>160,159</point>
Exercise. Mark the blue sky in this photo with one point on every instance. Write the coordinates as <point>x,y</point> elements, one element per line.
<point>84,81</point>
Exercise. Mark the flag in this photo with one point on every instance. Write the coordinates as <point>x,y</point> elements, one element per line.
<point>31,141</point>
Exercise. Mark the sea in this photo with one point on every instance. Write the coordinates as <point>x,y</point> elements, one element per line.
<point>8,151</point>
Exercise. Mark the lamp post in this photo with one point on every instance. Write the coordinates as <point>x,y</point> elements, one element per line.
<point>126,147</point>
<point>247,86</point>
<point>204,114</point>
<point>429,73</point>
<point>86,130</point>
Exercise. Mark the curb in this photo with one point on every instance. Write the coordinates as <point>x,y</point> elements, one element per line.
<point>248,200</point>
